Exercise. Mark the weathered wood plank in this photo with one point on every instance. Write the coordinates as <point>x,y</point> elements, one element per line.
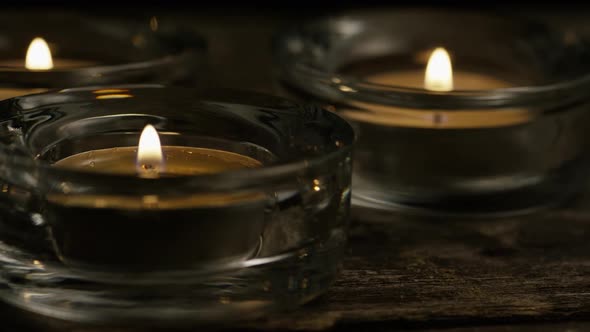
<point>419,272</point>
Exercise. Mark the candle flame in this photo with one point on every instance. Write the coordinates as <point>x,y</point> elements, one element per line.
<point>439,71</point>
<point>150,161</point>
<point>38,55</point>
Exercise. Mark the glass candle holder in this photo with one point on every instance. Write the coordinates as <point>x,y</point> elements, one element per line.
<point>507,134</point>
<point>75,50</point>
<point>247,216</point>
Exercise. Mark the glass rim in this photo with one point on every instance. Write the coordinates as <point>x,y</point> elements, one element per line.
<point>187,47</point>
<point>238,178</point>
<point>296,72</point>
<point>343,88</point>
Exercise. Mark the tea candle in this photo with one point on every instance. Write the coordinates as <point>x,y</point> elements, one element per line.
<point>498,130</point>
<point>38,58</point>
<point>150,159</point>
<point>143,232</point>
<point>437,77</point>
<point>115,225</point>
<point>430,155</point>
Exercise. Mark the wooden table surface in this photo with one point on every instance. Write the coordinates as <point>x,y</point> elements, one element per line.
<point>528,273</point>
<point>414,273</point>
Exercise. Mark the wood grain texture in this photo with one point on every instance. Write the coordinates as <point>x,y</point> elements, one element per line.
<point>433,272</point>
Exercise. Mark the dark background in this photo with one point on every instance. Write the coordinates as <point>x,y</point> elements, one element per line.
<point>291,6</point>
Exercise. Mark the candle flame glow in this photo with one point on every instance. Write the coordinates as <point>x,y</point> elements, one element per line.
<point>150,160</point>
<point>439,71</point>
<point>38,55</point>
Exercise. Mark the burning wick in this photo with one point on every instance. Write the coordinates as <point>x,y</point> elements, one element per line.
<point>150,160</point>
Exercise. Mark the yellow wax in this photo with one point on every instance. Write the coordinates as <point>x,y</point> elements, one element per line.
<point>462,80</point>
<point>179,160</point>
<point>154,202</point>
<point>10,93</point>
<point>433,118</point>
<point>58,64</point>
<point>19,64</point>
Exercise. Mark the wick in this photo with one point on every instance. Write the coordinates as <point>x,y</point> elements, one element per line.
<point>149,171</point>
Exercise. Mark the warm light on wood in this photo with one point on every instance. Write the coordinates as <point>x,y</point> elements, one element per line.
<point>439,71</point>
<point>38,55</point>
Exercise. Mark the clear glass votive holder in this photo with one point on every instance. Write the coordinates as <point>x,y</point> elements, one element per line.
<point>88,50</point>
<point>510,137</point>
<point>86,244</point>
